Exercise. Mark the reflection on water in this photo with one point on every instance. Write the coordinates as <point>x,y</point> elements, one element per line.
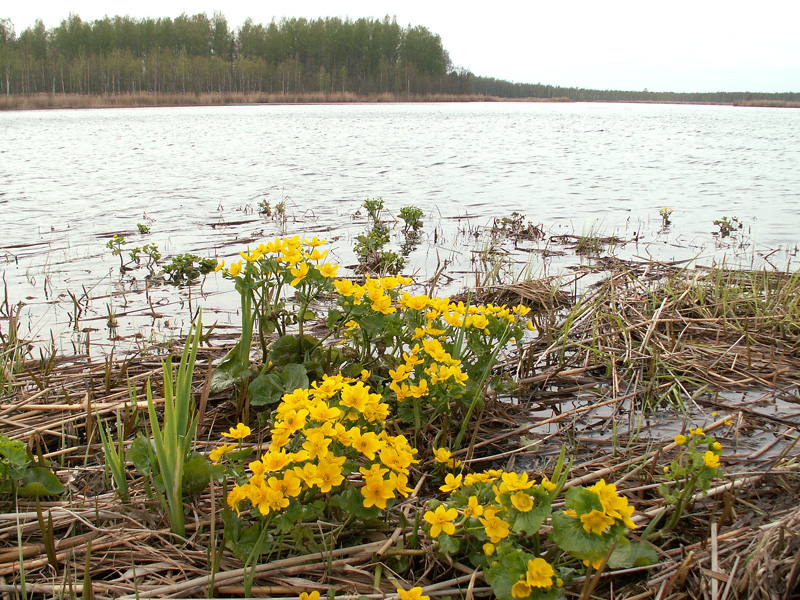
<point>71,179</point>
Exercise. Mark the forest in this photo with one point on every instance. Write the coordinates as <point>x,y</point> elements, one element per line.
<point>200,55</point>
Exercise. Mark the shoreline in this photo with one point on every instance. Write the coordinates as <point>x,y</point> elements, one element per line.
<point>60,101</point>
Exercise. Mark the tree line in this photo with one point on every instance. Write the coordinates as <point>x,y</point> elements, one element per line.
<point>197,54</point>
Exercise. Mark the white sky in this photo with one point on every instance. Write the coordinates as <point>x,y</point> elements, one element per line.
<point>679,45</point>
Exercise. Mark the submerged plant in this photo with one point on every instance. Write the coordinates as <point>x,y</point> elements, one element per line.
<point>412,218</point>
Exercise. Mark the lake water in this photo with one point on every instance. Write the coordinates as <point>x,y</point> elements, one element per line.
<point>71,179</point>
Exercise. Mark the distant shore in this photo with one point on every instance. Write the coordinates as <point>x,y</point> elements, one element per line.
<point>151,99</point>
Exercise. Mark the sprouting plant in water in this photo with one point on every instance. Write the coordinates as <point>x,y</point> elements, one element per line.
<point>665,214</point>
<point>115,244</point>
<point>374,207</point>
<point>143,229</point>
<point>412,217</point>
<point>727,226</point>
<point>151,255</point>
<point>183,268</point>
<point>264,208</point>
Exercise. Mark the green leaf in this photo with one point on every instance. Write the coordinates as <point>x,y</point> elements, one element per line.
<point>141,455</point>
<point>530,522</point>
<point>629,554</point>
<point>230,371</point>
<point>197,473</point>
<point>265,389</point>
<point>38,481</point>
<point>334,316</point>
<point>448,544</point>
<point>294,377</point>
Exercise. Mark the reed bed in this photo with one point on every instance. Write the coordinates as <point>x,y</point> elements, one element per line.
<point>612,374</point>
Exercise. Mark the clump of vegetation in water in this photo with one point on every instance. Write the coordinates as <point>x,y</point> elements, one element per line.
<point>411,217</point>
<point>665,215</point>
<point>727,226</point>
<point>143,229</point>
<point>187,267</point>
<point>517,227</point>
<point>369,247</point>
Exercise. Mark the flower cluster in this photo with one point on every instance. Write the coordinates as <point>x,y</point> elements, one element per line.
<point>320,437</point>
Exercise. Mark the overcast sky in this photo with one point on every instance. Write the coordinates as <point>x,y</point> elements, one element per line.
<point>678,45</point>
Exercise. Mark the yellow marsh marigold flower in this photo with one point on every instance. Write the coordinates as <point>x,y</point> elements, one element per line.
<point>595,563</point>
<point>329,475</point>
<point>328,270</point>
<point>596,522</point>
<point>317,256</point>
<point>711,460</point>
<point>289,486</point>
<point>220,266</point>
<point>548,485</point>
<point>414,593</point>
<point>473,508</point>
<point>376,492</point>
<point>236,495</point>
<point>496,528</point>
<point>368,443</point>
<point>488,549</point>
<point>612,502</point>
<point>522,502</point>
<point>383,305</point>
<point>441,520</point>
<point>309,595</point>
<point>239,432</point>
<point>315,242</point>
<point>716,446</point>
<point>514,481</point>
<point>441,455</point>
<point>681,439</point>
<point>451,483</point>
<point>299,273</point>
<point>521,589</point>
<point>220,451</point>
<point>540,573</point>
<point>235,269</point>
<point>699,432</point>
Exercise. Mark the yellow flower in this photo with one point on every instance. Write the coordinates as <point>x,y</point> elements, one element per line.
<point>239,432</point>
<point>315,242</point>
<point>383,305</point>
<point>235,268</point>
<point>473,509</point>
<point>596,522</point>
<point>441,455</point>
<point>451,483</point>
<point>548,485</point>
<point>368,443</point>
<point>309,596</point>
<point>488,549</point>
<point>681,439</point>
<point>540,573</point>
<point>496,528</point>
<point>220,266</point>
<point>329,475</point>
<point>612,502</point>
<point>716,446</point>
<point>220,451</point>
<point>328,270</point>
<point>711,460</point>
<point>522,502</point>
<point>376,492</point>
<point>236,495</point>
<point>521,589</point>
<point>414,593</point>
<point>698,432</point>
<point>299,273</point>
<point>441,519</point>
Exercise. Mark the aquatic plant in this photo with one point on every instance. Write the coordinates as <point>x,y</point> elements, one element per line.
<point>727,226</point>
